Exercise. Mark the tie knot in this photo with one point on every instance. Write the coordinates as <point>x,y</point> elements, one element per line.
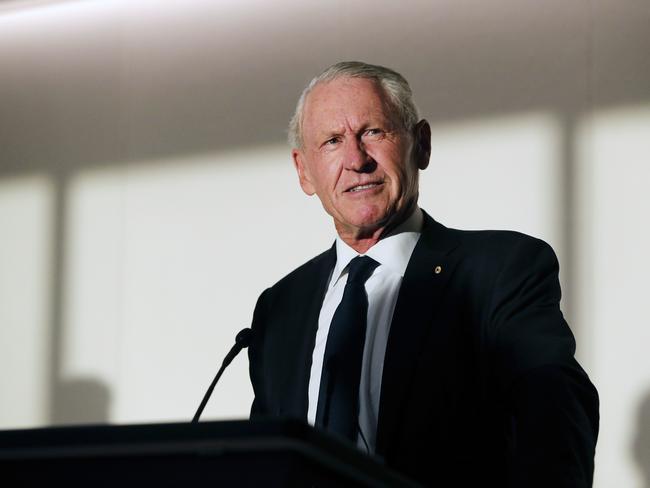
<point>360,269</point>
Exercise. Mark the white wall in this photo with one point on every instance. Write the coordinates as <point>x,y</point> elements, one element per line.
<point>144,183</point>
<point>26,226</point>
<point>614,269</point>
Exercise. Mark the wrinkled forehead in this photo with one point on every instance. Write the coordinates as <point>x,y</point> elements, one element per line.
<point>329,102</point>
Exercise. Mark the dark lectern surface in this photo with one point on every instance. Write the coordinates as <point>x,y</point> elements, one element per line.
<point>234,453</point>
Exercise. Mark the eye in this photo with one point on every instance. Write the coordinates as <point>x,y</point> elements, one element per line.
<point>374,132</point>
<point>332,141</point>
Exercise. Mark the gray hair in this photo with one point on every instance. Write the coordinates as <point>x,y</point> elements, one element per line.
<point>394,85</point>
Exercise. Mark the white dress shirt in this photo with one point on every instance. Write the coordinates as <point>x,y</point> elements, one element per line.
<point>393,253</point>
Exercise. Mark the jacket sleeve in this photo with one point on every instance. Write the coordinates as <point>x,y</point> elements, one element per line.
<point>256,357</point>
<point>551,403</point>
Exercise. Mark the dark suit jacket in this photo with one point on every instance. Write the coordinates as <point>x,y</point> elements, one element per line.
<point>480,386</point>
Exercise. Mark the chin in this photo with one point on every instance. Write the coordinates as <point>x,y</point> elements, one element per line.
<point>370,223</point>
<point>365,218</point>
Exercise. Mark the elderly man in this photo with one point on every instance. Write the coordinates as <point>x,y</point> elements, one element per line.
<point>444,352</point>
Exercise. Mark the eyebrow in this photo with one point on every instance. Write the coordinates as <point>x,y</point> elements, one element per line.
<point>385,124</point>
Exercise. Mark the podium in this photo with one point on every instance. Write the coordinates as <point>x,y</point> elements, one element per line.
<point>264,453</point>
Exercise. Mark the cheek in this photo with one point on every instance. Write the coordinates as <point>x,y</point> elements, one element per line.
<point>330,176</point>
<point>326,179</point>
<point>405,181</point>
<point>400,173</point>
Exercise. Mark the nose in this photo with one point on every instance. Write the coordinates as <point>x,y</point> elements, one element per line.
<point>357,159</point>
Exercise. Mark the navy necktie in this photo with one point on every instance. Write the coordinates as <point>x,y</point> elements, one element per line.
<point>338,397</point>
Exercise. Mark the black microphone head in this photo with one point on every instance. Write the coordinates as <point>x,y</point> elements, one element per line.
<point>244,337</point>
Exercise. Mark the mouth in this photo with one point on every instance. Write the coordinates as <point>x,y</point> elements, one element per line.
<point>366,186</point>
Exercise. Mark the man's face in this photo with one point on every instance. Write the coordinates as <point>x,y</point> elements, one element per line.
<point>357,157</point>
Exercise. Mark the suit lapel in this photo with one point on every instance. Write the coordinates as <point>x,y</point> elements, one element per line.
<point>426,277</point>
<point>302,324</point>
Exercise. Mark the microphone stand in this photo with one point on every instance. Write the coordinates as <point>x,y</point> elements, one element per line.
<point>242,340</point>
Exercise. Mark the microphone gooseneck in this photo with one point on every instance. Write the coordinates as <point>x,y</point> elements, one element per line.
<point>242,340</point>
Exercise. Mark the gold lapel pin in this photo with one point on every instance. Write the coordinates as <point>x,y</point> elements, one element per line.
<point>438,270</point>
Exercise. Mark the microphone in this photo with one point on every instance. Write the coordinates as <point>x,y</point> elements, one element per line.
<point>242,340</point>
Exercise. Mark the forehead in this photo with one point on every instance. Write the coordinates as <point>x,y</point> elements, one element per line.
<point>345,101</point>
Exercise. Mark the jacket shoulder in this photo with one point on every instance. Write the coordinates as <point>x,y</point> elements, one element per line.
<point>308,272</point>
<point>499,245</point>
<point>495,239</point>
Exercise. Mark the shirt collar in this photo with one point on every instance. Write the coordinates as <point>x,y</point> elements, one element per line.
<point>393,251</point>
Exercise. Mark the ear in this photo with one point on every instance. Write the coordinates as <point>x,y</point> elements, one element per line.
<point>303,173</point>
<point>422,143</point>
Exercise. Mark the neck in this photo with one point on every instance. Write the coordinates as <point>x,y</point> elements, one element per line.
<point>361,244</point>
<point>363,239</point>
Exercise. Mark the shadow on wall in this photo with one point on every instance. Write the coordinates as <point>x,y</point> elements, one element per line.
<point>80,401</point>
<point>641,445</point>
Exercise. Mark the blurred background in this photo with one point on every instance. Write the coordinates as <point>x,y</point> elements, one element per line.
<point>147,195</point>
